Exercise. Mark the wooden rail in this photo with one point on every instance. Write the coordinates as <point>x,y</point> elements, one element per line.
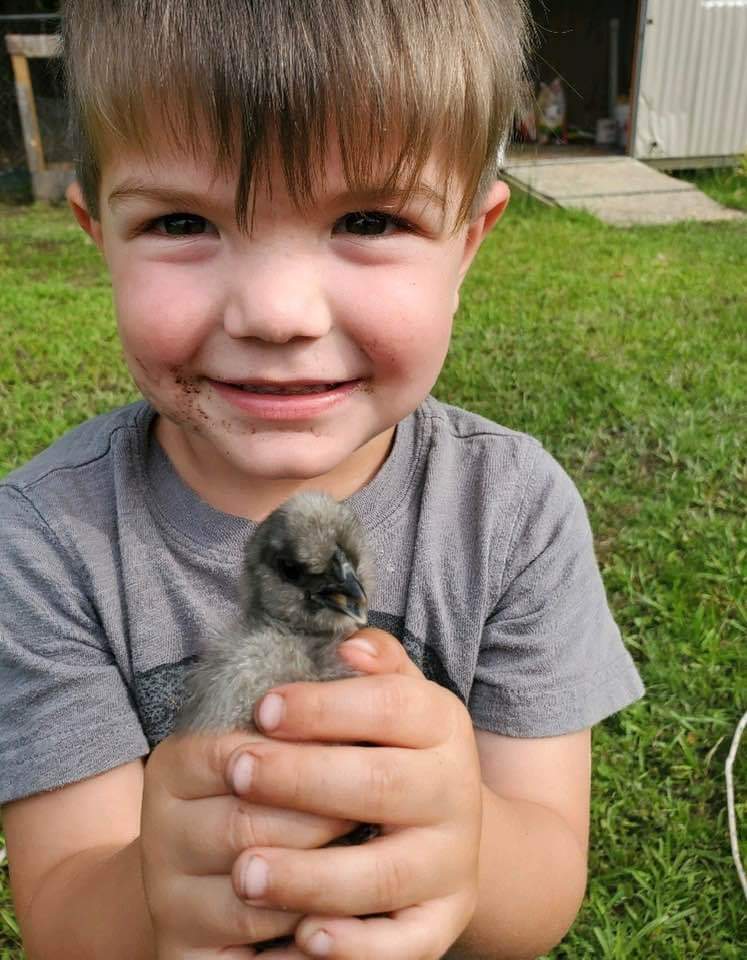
<point>49,181</point>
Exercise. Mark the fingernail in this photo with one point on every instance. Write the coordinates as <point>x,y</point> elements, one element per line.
<point>254,878</point>
<point>241,775</point>
<point>365,645</point>
<point>271,711</point>
<point>320,944</point>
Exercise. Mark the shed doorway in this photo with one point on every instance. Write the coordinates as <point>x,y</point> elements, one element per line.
<point>584,72</point>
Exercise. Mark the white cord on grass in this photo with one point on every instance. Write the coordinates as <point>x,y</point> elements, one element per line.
<point>733,836</point>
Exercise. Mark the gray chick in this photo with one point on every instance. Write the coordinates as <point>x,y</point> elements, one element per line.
<point>305,586</point>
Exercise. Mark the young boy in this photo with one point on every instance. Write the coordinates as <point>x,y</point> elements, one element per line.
<point>288,197</point>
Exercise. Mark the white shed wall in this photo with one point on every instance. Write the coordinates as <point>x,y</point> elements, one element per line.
<point>692,86</point>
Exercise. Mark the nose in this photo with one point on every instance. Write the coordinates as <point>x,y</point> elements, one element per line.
<point>277,298</point>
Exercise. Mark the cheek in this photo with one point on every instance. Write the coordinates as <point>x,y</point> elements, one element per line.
<point>163,318</point>
<point>405,321</point>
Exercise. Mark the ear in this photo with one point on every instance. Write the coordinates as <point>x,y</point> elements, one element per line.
<point>77,203</point>
<point>491,210</point>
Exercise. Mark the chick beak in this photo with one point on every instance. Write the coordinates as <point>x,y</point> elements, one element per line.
<point>346,595</point>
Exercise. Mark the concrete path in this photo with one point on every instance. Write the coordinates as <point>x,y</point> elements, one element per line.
<point>619,190</point>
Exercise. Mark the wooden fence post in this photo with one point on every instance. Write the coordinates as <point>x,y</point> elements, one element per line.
<point>49,181</point>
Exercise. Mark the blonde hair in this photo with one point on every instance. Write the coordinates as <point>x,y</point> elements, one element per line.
<point>240,79</point>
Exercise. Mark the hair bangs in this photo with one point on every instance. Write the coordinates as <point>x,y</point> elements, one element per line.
<point>246,83</point>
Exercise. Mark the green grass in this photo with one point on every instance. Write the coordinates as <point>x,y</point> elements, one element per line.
<point>9,933</point>
<point>624,351</point>
<point>727,185</point>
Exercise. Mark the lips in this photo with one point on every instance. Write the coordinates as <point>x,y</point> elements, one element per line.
<point>290,390</point>
<point>286,401</point>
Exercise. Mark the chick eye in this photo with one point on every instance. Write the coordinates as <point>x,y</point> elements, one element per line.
<point>290,571</point>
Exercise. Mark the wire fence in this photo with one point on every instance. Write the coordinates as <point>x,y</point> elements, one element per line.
<point>49,100</point>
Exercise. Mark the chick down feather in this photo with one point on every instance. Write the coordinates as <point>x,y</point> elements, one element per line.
<point>305,584</point>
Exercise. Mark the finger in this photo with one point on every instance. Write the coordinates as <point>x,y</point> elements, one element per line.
<point>225,953</point>
<point>291,952</point>
<point>377,877</point>
<point>426,930</point>
<point>193,765</point>
<point>281,948</point>
<point>205,913</point>
<point>230,824</point>
<point>288,953</point>
<point>387,785</point>
<point>375,651</point>
<point>393,709</point>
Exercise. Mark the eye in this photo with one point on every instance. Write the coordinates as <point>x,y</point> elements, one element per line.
<point>180,225</point>
<point>290,571</point>
<point>370,223</point>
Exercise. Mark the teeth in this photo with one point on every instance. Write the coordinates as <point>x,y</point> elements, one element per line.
<point>292,391</point>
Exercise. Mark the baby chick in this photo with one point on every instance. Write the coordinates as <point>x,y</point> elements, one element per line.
<point>305,586</point>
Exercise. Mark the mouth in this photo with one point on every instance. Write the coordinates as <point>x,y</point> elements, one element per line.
<point>286,390</point>
<point>294,388</point>
<point>342,603</point>
<point>286,400</point>
<point>350,600</point>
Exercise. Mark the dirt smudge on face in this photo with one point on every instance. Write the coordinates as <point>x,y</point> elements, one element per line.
<point>188,397</point>
<point>187,384</point>
<point>233,428</point>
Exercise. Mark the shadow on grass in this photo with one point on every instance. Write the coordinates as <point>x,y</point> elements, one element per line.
<point>727,185</point>
<point>15,187</point>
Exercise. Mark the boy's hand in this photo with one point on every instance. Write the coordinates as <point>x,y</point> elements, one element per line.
<point>420,779</point>
<point>193,828</point>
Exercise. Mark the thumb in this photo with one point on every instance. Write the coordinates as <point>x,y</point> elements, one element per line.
<point>371,650</point>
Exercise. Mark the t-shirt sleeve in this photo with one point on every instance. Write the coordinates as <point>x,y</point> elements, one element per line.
<point>551,659</point>
<point>65,710</point>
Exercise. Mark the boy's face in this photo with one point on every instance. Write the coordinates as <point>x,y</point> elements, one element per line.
<point>290,354</point>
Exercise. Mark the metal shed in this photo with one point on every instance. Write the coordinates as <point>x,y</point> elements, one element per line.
<point>690,88</point>
<point>626,86</point>
<point>679,66</point>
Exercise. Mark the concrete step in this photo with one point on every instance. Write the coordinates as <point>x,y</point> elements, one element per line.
<point>619,190</point>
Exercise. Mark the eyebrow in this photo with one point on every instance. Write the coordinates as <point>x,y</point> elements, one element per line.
<point>393,195</point>
<point>140,190</point>
<point>135,189</point>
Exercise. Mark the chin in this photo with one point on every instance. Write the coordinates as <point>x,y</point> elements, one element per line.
<point>300,459</point>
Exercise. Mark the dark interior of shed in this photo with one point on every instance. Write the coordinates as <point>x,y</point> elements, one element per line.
<point>575,40</point>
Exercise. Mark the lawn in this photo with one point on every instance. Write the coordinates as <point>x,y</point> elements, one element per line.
<point>625,353</point>
<point>728,185</point>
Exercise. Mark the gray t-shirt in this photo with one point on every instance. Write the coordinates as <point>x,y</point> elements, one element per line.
<point>113,568</point>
